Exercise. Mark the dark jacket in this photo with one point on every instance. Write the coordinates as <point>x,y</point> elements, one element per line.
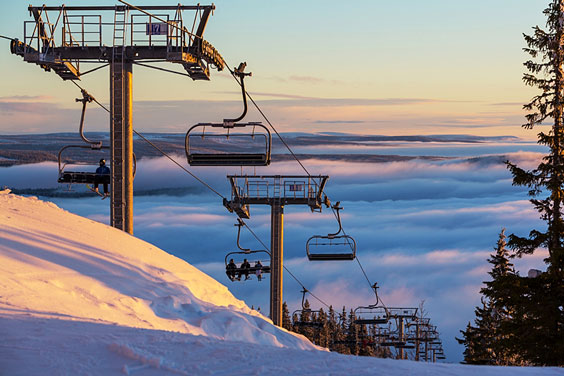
<point>103,170</point>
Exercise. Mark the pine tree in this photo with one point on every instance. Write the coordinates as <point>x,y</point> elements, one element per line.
<point>492,340</point>
<point>545,340</point>
<point>286,322</point>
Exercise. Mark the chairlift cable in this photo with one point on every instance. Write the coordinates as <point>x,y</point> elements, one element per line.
<point>297,159</point>
<point>216,192</point>
<point>162,152</point>
<point>179,165</point>
<point>361,267</point>
<point>269,123</point>
<point>95,100</point>
<point>285,268</point>
<point>170,23</point>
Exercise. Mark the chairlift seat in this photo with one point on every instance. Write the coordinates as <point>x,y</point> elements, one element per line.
<point>75,177</point>
<point>242,159</point>
<point>375,321</point>
<point>309,324</point>
<point>330,257</point>
<point>394,343</point>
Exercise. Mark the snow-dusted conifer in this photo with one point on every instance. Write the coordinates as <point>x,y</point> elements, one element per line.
<point>546,188</point>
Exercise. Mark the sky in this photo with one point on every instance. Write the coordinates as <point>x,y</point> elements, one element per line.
<point>424,228</point>
<point>374,67</point>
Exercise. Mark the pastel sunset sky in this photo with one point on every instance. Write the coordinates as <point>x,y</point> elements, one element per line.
<point>368,67</point>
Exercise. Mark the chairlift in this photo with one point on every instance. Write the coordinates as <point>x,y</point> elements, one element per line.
<point>88,176</point>
<point>331,247</point>
<point>393,341</point>
<point>258,267</point>
<point>229,143</point>
<point>373,314</point>
<point>306,311</point>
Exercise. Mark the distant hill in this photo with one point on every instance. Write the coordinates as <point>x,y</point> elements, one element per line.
<point>35,148</point>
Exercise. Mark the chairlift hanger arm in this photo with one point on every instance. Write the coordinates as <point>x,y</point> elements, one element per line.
<point>239,72</point>
<point>240,224</point>
<point>336,207</point>
<point>86,98</point>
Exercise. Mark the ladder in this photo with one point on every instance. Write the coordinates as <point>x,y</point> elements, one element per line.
<point>117,119</point>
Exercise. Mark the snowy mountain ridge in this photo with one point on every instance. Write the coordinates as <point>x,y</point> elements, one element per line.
<point>80,297</point>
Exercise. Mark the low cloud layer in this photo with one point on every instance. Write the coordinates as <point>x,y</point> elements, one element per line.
<point>424,228</point>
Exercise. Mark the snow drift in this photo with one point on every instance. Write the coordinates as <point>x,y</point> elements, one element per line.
<point>80,297</point>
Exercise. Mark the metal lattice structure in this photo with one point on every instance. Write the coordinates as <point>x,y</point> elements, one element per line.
<point>60,37</point>
<point>276,191</point>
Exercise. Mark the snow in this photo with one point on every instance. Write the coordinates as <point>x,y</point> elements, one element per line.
<point>78,297</point>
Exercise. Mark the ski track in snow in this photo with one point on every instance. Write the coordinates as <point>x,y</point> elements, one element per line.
<point>80,298</point>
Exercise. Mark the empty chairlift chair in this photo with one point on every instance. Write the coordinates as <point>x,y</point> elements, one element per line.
<point>331,247</point>
<point>305,315</point>
<point>373,314</point>
<point>229,143</point>
<point>235,266</point>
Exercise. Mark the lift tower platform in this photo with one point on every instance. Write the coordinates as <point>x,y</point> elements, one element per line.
<point>276,191</point>
<point>61,37</point>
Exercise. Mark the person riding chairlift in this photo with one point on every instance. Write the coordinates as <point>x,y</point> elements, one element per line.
<point>258,272</point>
<point>245,269</point>
<point>100,172</point>
<point>230,269</point>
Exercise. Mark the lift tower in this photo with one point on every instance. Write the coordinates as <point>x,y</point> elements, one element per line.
<point>61,37</point>
<point>276,191</point>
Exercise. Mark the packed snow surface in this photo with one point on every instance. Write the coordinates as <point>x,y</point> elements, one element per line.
<point>78,297</point>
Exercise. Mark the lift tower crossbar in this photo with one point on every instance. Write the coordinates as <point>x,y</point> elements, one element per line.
<point>59,38</point>
<point>276,191</point>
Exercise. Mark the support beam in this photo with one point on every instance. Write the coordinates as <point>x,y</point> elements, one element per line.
<point>401,337</point>
<point>276,263</point>
<point>121,136</point>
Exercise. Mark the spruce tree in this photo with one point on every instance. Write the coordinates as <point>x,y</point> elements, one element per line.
<point>493,339</point>
<point>286,321</point>
<point>545,340</point>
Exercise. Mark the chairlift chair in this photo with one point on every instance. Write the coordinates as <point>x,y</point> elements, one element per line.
<point>244,253</point>
<point>331,247</point>
<point>85,177</point>
<point>373,314</point>
<point>229,143</point>
<point>89,176</point>
<point>81,177</point>
<point>300,312</point>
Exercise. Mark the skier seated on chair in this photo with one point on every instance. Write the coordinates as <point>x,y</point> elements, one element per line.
<point>245,269</point>
<point>230,269</point>
<point>258,272</point>
<point>100,172</point>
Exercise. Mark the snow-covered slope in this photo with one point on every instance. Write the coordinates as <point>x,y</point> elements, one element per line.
<point>80,298</point>
<point>55,264</point>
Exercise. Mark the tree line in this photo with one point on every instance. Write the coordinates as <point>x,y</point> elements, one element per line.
<point>521,318</point>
